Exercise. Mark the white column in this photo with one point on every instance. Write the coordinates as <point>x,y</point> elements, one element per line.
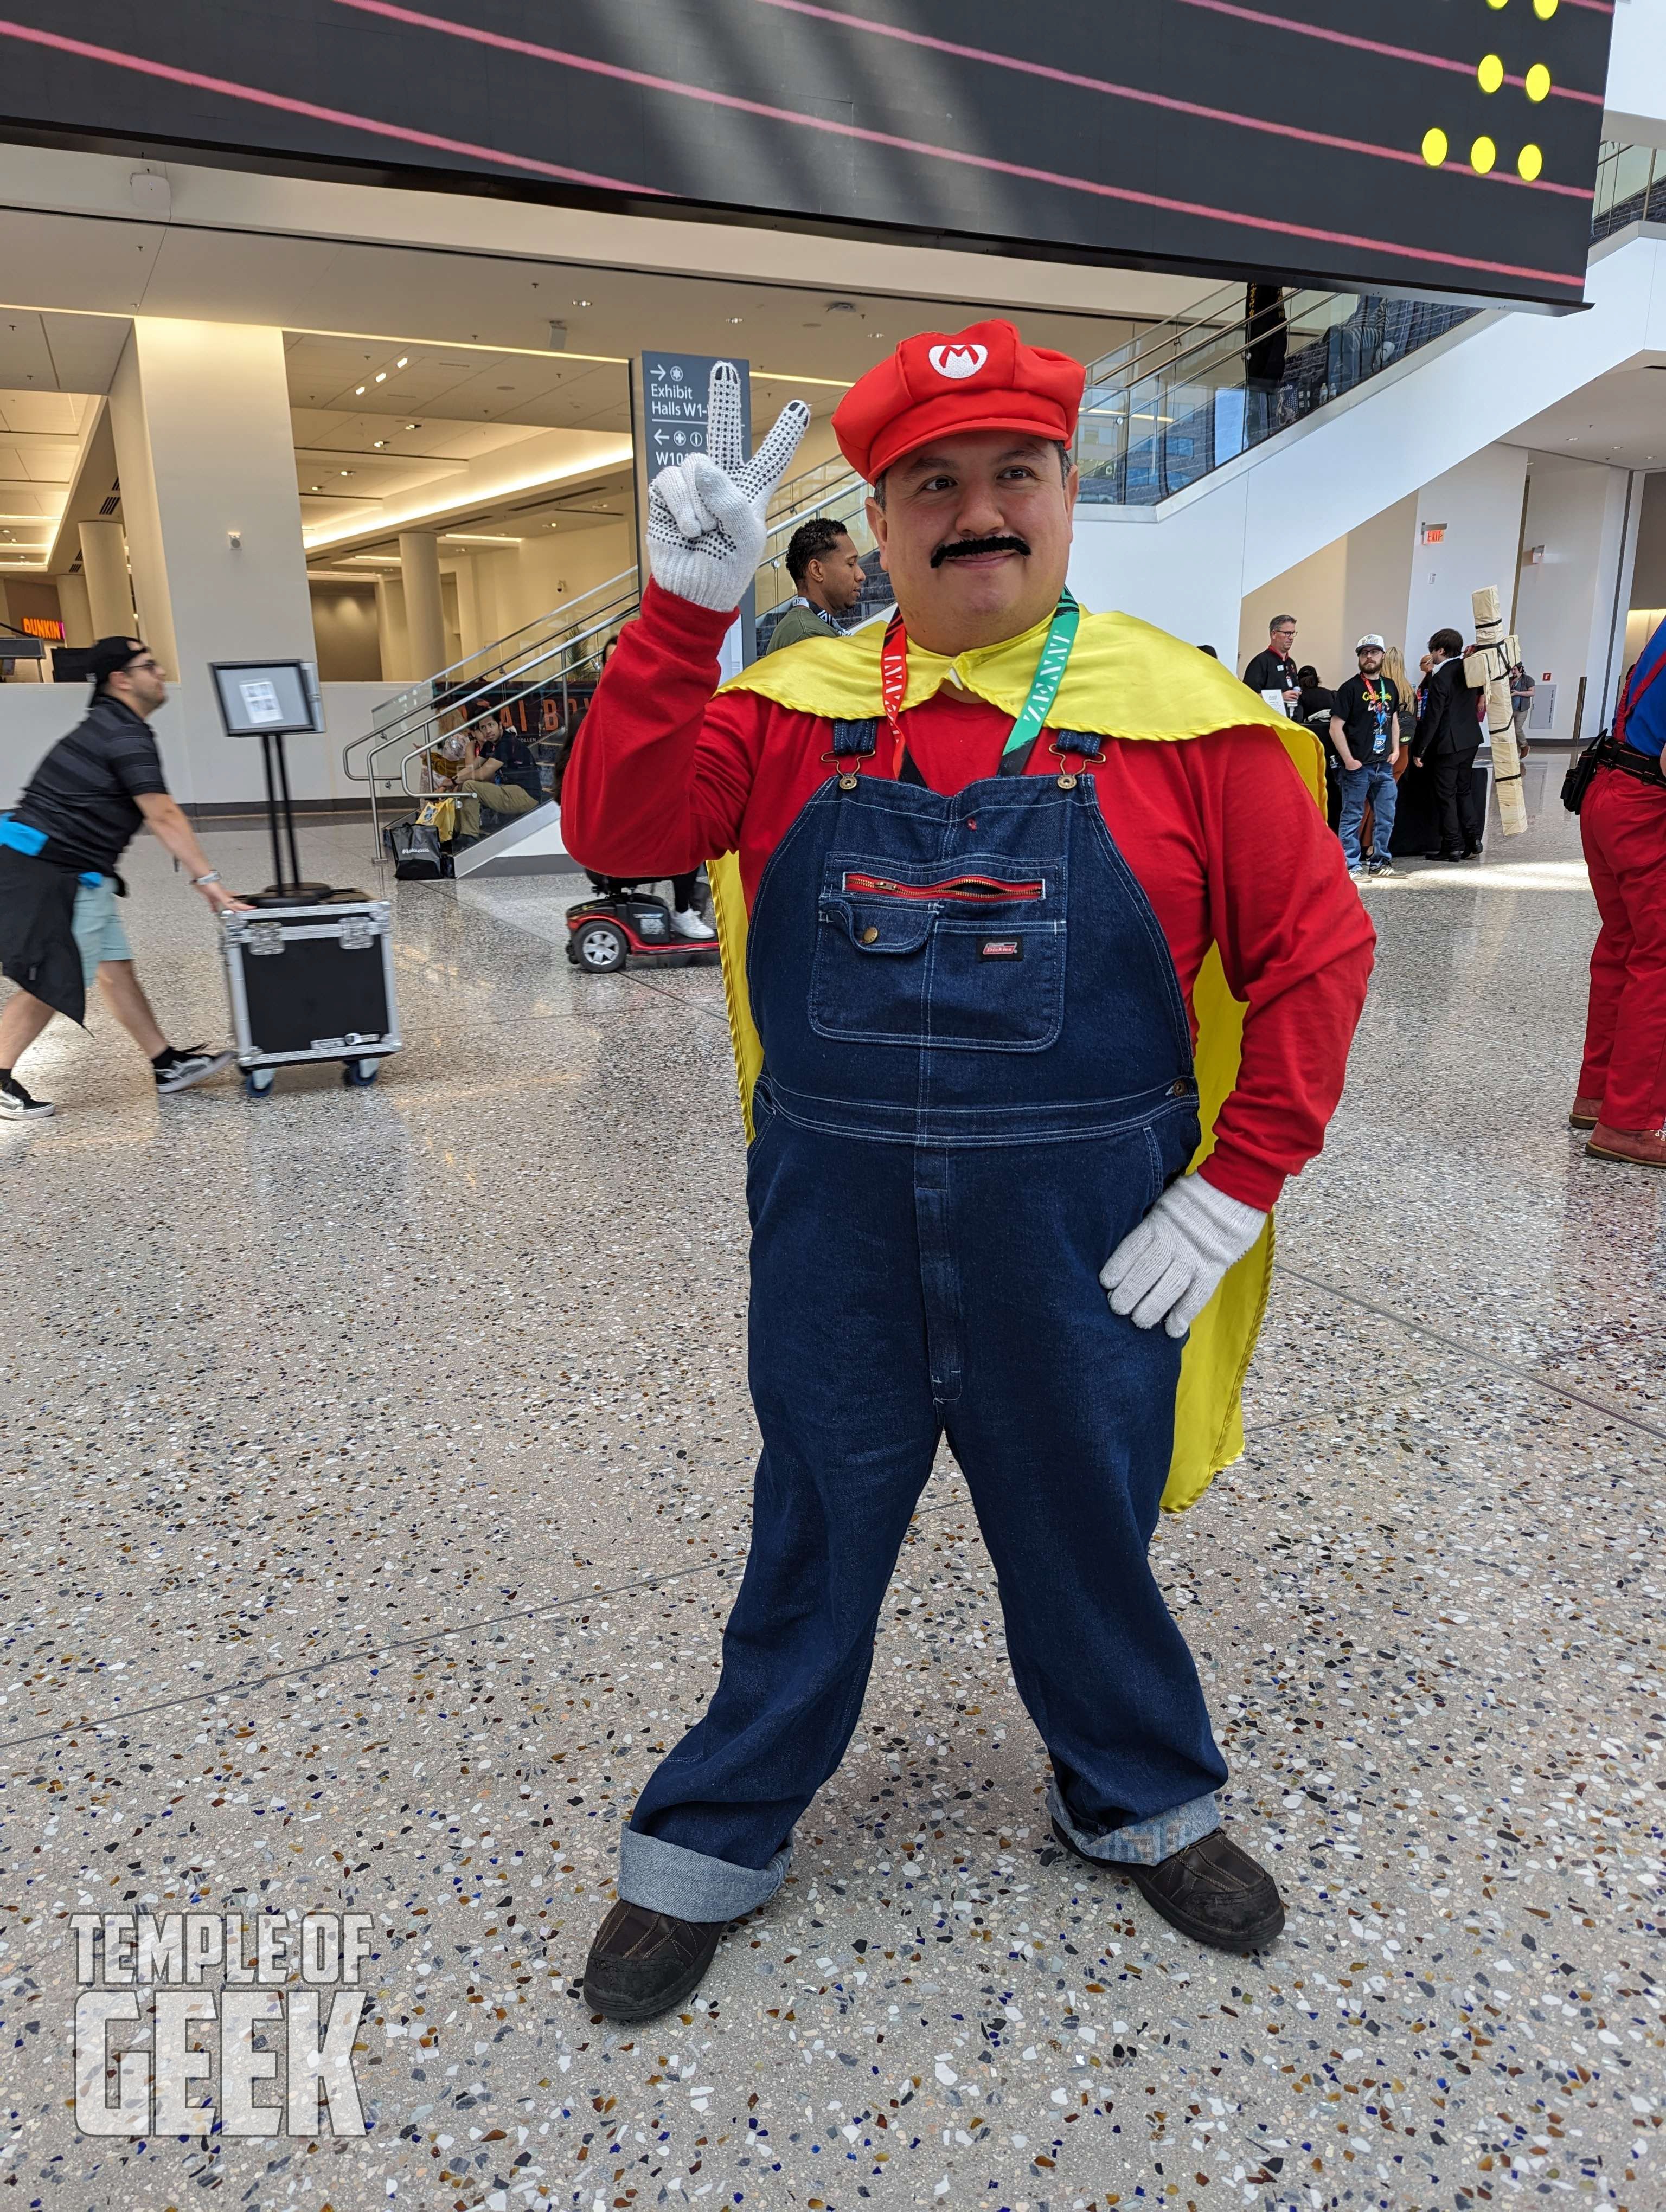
<point>391,639</point>
<point>103,566</point>
<point>206,453</point>
<point>76,606</point>
<point>425,617</point>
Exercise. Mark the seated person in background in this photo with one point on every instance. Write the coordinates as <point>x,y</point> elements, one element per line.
<point>497,765</point>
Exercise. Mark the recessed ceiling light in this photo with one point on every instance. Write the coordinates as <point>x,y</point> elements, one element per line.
<point>347,472</point>
<point>381,376</point>
<point>581,303</point>
<point>358,391</point>
<point>378,443</point>
<point>401,361</point>
<point>413,426</point>
<point>315,487</point>
<point>733,319</point>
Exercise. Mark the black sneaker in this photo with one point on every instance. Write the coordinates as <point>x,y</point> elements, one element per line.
<point>17,1105</point>
<point>1211,1891</point>
<point>1379,867</point>
<point>194,1065</point>
<point>643,1963</point>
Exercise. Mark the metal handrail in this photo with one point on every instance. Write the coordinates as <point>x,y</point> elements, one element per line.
<point>421,746</point>
<point>425,707</point>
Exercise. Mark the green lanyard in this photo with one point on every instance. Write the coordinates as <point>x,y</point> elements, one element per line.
<point>1043,689</point>
<point>1049,674</point>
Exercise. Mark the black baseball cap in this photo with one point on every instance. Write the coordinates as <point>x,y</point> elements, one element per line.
<point>111,656</point>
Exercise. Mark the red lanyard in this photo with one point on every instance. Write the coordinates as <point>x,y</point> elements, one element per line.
<point>1043,689</point>
<point>893,683</point>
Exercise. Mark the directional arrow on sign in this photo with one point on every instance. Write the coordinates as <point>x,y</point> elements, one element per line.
<point>659,438</point>
<point>657,373</point>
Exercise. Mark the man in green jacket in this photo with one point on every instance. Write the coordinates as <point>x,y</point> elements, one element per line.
<point>827,570</point>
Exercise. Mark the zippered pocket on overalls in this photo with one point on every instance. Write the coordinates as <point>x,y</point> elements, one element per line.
<point>968,891</point>
<point>938,964</point>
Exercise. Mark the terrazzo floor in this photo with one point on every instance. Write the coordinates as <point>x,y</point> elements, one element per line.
<point>378,1462</point>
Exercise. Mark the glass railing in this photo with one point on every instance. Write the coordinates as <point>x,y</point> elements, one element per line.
<point>1183,400</point>
<point>1631,187</point>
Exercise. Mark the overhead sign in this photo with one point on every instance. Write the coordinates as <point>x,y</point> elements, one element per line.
<point>669,401</point>
<point>1444,145</point>
<point>674,389</point>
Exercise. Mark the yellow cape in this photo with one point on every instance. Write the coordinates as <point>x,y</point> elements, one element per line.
<point>1124,679</point>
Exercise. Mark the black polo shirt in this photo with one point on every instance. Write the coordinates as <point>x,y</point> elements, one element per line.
<point>83,792</point>
<point>1366,707</point>
<point>1272,671</point>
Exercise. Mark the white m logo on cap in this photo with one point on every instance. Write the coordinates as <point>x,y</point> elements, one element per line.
<point>958,360</point>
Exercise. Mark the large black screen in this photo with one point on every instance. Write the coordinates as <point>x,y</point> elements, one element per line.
<point>1437,144</point>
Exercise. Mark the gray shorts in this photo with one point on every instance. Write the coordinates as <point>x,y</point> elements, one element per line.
<point>98,930</point>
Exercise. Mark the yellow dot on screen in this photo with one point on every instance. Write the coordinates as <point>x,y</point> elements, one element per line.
<point>1495,4</point>
<point>1544,10</point>
<point>1490,74</point>
<point>1528,162</point>
<point>1434,148</point>
<point>1537,82</point>
<point>1483,154</point>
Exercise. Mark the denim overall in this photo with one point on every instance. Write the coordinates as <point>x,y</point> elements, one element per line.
<point>977,1078</point>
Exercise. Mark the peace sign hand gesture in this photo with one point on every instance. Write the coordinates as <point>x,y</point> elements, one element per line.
<point>706,514</point>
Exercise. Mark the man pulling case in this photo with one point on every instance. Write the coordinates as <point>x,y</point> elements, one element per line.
<point>985,852</point>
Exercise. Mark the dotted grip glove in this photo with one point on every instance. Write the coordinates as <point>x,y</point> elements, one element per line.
<point>1167,1267</point>
<point>706,514</point>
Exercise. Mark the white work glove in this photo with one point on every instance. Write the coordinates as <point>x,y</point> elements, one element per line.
<point>1167,1267</point>
<point>706,514</point>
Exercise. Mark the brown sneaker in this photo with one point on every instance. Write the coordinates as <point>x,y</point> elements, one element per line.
<point>1644,1148</point>
<point>1211,1891</point>
<point>643,1963</point>
<point>1584,1113</point>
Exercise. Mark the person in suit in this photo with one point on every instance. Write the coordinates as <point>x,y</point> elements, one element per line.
<point>1448,738</point>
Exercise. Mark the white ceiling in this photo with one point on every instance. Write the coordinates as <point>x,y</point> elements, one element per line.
<point>1620,419</point>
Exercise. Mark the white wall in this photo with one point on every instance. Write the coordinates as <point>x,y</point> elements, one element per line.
<point>1564,603</point>
<point>1356,585</point>
<point>34,716</point>
<point>1480,502</point>
<point>1634,105</point>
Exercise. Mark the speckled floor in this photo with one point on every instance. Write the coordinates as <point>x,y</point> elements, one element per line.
<point>378,1463</point>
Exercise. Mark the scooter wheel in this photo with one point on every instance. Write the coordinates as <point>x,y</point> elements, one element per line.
<point>259,1081</point>
<point>599,947</point>
<point>356,1073</point>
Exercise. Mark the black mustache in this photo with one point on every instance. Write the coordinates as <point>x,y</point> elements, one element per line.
<point>962,548</point>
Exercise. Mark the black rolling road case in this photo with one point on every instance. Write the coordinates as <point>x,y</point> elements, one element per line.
<point>310,970</point>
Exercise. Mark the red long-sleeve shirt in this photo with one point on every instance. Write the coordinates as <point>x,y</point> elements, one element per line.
<point>1226,843</point>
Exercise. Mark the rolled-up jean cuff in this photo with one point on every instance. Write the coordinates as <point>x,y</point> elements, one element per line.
<point>1141,1843</point>
<point>667,1878</point>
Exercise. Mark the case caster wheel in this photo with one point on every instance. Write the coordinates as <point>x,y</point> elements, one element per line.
<point>259,1080</point>
<point>356,1073</point>
<point>599,947</point>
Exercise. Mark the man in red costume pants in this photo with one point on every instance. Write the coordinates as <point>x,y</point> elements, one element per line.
<point>1622,1098</point>
<point>982,876</point>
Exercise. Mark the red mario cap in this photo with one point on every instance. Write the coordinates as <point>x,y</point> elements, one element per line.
<point>984,378</point>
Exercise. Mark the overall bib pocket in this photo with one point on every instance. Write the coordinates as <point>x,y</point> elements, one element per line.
<point>967,959</point>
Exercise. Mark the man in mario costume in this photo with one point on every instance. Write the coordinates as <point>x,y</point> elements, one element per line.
<point>1042,970</point>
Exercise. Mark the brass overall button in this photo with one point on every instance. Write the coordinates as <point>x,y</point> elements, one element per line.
<point>870,935</point>
<point>1067,783</point>
<point>847,783</point>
